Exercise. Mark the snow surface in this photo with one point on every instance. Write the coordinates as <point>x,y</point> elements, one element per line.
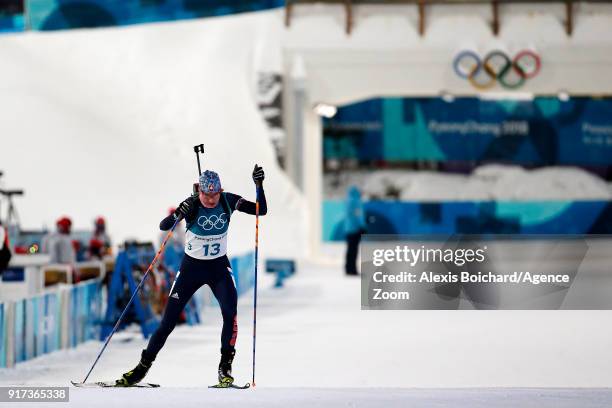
<point>315,347</point>
<point>347,397</point>
<point>102,122</point>
<point>488,182</point>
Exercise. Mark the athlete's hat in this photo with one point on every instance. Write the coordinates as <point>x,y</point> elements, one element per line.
<point>210,182</point>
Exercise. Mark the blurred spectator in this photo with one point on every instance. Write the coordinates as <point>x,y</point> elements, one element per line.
<point>5,251</point>
<point>100,243</point>
<point>11,7</point>
<point>354,226</point>
<point>59,244</point>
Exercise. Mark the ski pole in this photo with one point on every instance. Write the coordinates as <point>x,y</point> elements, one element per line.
<point>255,289</point>
<point>161,249</point>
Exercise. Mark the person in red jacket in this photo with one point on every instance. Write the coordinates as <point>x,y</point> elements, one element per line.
<point>100,243</point>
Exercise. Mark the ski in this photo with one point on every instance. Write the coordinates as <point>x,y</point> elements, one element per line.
<point>112,384</point>
<point>229,385</point>
<point>109,384</point>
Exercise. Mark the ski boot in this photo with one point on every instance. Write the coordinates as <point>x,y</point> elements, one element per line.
<point>137,374</point>
<point>225,368</point>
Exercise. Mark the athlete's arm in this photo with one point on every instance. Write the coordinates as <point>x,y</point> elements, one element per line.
<point>167,223</point>
<point>185,210</point>
<point>248,207</point>
<point>238,203</point>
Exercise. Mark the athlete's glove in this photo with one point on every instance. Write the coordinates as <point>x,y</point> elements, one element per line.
<point>258,175</point>
<point>184,208</point>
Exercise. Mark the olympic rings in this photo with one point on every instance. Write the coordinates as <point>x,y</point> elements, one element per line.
<point>496,67</point>
<point>208,223</point>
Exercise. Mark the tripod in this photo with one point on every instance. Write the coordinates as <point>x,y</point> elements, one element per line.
<point>12,218</point>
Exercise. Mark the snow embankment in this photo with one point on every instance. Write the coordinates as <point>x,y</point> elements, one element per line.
<point>489,182</point>
<point>102,122</point>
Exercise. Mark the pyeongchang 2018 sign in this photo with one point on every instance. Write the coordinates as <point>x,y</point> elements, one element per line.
<point>543,131</point>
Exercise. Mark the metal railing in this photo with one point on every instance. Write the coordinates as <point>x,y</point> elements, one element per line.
<point>423,4</point>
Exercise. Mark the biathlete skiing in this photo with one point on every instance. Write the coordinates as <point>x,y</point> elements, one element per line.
<point>205,262</point>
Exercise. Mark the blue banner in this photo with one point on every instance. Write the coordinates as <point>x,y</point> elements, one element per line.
<point>9,24</point>
<point>243,271</point>
<point>11,16</point>
<point>540,132</point>
<point>65,14</point>
<point>20,332</point>
<point>39,321</point>
<point>85,312</point>
<point>37,327</point>
<point>473,217</point>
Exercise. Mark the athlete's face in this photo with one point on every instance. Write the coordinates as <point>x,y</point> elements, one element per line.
<point>210,200</point>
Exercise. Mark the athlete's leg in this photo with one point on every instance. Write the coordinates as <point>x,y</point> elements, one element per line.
<point>186,283</point>
<point>224,290</point>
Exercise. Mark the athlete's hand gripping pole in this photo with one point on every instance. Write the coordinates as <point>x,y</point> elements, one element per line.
<point>144,278</point>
